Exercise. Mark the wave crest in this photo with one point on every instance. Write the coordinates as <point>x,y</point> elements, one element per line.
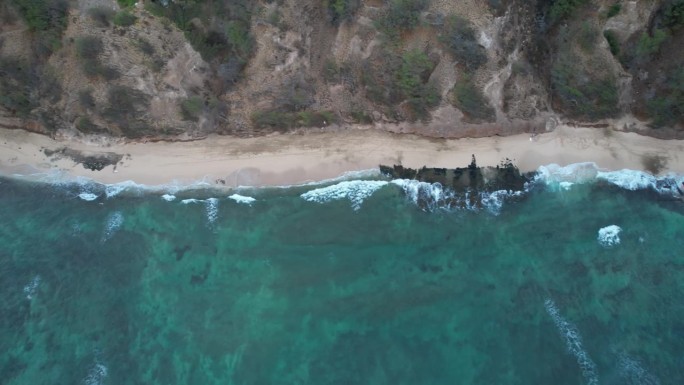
<point>356,191</point>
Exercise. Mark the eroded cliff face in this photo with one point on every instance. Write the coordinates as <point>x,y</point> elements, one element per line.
<point>182,69</point>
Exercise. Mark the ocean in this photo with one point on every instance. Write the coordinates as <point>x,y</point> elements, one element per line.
<point>578,279</point>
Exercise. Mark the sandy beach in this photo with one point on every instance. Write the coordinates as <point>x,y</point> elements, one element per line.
<point>299,158</point>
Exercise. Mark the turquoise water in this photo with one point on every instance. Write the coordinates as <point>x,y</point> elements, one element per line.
<point>138,290</point>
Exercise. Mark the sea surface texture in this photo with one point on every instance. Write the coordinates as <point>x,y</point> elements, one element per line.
<point>355,282</point>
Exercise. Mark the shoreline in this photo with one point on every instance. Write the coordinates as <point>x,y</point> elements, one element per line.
<point>296,159</point>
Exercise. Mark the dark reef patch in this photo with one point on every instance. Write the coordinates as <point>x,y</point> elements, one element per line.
<point>95,162</point>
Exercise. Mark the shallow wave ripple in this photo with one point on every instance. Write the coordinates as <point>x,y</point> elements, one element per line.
<point>96,375</point>
<point>113,223</point>
<point>634,373</point>
<point>573,340</point>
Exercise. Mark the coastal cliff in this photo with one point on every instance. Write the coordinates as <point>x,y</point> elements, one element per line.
<point>184,69</point>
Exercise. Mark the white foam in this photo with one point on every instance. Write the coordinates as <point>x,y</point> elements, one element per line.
<point>563,177</point>
<point>430,195</point>
<point>433,196</point>
<point>212,210</point>
<point>114,222</point>
<point>554,174</point>
<point>96,375</point>
<point>242,199</point>
<point>87,196</point>
<point>31,288</point>
<point>168,197</point>
<point>634,373</point>
<point>609,236</point>
<point>192,200</point>
<point>494,201</point>
<point>573,341</point>
<point>356,191</point>
<point>629,179</point>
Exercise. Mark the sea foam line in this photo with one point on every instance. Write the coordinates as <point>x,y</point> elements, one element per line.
<point>112,225</point>
<point>573,341</point>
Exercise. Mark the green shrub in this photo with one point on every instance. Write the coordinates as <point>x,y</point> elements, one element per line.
<point>649,45</point>
<point>613,42</point>
<point>85,125</point>
<point>126,107</point>
<point>470,100</point>
<point>587,36</point>
<point>228,35</point>
<point>412,80</point>
<point>191,108</point>
<point>89,47</point>
<point>102,16</point>
<point>145,46</point>
<point>44,15</point>
<point>673,15</point>
<point>613,10</point>
<point>340,10</point>
<point>124,18</point>
<point>126,3</point>
<point>331,71</point>
<point>86,99</point>
<point>459,37</point>
<point>315,118</point>
<point>361,117</point>
<point>668,108</point>
<point>17,86</point>
<point>401,15</point>
<point>277,120</point>
<point>281,121</point>
<point>47,19</point>
<point>580,95</point>
<point>562,9</point>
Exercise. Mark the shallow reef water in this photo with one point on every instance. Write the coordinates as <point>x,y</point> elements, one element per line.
<point>360,284</point>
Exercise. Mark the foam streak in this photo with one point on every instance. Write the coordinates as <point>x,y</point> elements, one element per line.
<point>573,340</point>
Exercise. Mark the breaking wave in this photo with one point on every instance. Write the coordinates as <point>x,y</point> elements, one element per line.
<point>242,199</point>
<point>434,196</point>
<point>609,236</point>
<point>356,191</point>
<point>573,341</point>
<point>88,196</point>
<point>563,177</point>
<point>168,197</point>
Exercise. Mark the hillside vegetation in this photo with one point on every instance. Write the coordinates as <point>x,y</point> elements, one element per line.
<point>188,68</point>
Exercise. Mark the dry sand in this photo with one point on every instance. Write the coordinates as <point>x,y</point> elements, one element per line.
<point>294,159</point>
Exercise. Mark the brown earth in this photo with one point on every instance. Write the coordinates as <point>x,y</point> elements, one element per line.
<point>320,72</point>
